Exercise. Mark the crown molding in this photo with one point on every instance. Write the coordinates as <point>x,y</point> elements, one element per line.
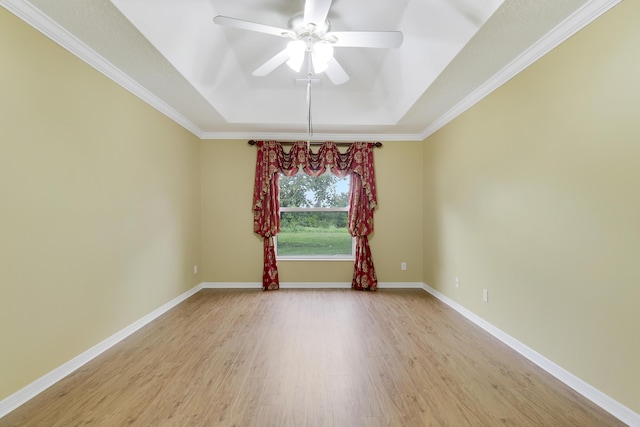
<point>574,23</point>
<point>38,20</point>
<point>280,136</point>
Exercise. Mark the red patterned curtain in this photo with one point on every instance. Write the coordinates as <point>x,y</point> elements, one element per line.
<point>266,218</point>
<point>357,161</point>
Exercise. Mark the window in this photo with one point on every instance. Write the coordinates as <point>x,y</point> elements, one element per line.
<point>314,218</point>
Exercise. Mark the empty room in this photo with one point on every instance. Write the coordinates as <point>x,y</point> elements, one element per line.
<point>319,213</point>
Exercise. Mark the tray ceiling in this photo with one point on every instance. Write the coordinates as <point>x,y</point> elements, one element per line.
<point>172,55</point>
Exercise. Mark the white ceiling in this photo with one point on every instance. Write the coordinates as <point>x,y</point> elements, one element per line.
<point>172,55</point>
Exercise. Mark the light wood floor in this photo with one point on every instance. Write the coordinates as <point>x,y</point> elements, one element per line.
<point>310,358</point>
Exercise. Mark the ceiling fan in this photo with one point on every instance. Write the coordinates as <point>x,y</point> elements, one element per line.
<point>311,34</point>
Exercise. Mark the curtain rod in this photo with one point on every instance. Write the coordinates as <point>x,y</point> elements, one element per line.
<point>339,144</point>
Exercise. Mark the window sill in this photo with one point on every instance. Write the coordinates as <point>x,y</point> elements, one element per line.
<point>286,258</point>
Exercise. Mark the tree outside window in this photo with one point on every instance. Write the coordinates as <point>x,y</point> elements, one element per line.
<point>314,218</point>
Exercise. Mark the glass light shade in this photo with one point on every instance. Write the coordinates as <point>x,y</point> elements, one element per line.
<point>321,53</point>
<point>318,65</point>
<point>323,50</point>
<point>296,50</point>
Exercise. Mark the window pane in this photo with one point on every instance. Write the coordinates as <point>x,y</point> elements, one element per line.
<point>304,191</point>
<point>314,233</point>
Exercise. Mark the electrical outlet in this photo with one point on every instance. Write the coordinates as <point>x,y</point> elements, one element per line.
<point>457,282</point>
<point>195,269</point>
<point>403,266</point>
<point>485,295</point>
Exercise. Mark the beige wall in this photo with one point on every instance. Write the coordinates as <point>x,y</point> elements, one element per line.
<point>231,252</point>
<point>99,206</point>
<point>533,195</point>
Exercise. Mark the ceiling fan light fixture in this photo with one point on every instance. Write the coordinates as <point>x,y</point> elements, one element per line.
<point>295,63</point>
<point>311,32</point>
<point>321,54</point>
<point>323,50</point>
<point>318,65</point>
<point>296,50</point>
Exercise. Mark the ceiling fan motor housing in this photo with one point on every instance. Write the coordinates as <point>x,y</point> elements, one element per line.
<point>297,25</point>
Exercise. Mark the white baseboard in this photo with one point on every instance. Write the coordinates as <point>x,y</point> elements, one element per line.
<point>400,285</point>
<point>283,285</point>
<point>41,384</point>
<point>308,285</point>
<point>231,285</point>
<point>610,405</point>
<point>315,285</point>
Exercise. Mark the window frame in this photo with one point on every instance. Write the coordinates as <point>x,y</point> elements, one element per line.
<point>340,257</point>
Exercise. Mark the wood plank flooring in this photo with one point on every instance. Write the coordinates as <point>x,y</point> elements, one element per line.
<point>310,358</point>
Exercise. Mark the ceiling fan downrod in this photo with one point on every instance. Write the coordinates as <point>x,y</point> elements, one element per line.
<point>309,124</point>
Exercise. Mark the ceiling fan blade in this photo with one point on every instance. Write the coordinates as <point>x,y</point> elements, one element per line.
<point>336,73</point>
<point>376,39</point>
<point>273,63</point>
<point>316,11</point>
<point>241,24</point>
